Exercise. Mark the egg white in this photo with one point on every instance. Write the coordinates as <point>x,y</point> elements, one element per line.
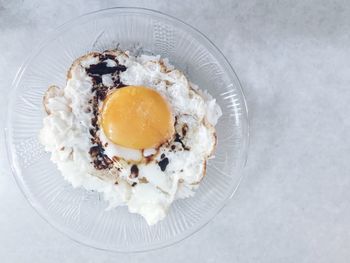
<point>66,135</point>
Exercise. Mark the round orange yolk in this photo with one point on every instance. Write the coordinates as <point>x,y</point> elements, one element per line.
<point>137,117</point>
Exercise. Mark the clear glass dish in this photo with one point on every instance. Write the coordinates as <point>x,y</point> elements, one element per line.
<point>81,214</point>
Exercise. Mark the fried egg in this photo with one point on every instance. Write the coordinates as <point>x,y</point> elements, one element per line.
<point>131,127</point>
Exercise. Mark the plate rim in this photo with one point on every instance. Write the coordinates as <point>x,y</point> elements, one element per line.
<point>10,149</point>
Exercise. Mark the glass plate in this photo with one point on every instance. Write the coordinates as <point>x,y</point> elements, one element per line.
<point>81,214</point>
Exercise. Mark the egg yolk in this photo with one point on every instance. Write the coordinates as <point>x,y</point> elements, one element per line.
<point>137,117</point>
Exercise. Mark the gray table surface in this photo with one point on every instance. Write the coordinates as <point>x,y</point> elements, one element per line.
<point>294,203</point>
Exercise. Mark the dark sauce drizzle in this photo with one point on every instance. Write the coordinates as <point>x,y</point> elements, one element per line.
<point>134,171</point>
<point>99,159</point>
<point>163,164</point>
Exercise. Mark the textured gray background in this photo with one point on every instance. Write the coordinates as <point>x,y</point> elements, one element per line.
<point>294,63</point>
